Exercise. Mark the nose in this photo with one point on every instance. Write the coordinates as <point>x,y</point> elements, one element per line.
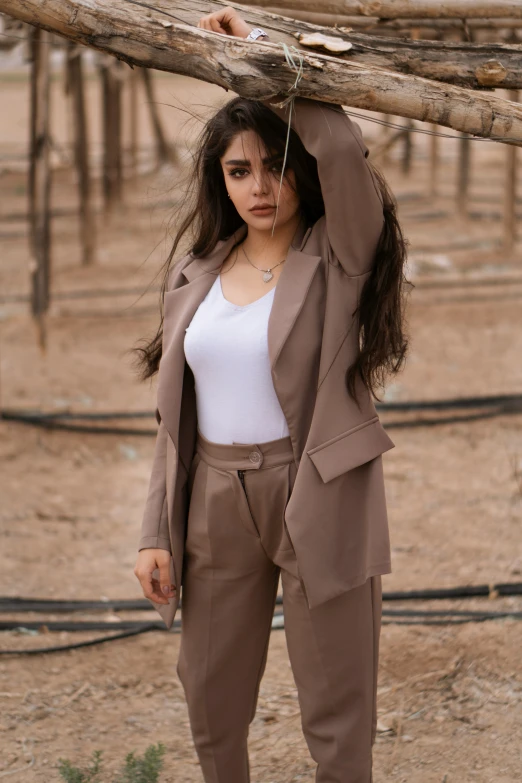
<point>261,183</point>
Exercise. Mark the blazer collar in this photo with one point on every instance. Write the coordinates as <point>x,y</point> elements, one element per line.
<point>217,256</point>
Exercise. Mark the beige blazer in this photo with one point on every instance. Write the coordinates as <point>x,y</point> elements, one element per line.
<point>336,516</point>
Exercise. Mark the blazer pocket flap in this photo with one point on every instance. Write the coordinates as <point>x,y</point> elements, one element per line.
<point>350,449</point>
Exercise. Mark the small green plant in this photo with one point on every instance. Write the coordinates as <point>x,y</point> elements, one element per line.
<point>135,769</point>
<point>144,770</point>
<point>75,775</point>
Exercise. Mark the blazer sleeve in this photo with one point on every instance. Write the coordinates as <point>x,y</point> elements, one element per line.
<point>154,526</point>
<point>353,202</point>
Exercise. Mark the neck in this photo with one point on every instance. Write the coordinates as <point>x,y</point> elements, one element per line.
<point>261,245</point>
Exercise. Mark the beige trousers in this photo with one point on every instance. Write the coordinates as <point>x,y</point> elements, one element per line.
<point>237,546</point>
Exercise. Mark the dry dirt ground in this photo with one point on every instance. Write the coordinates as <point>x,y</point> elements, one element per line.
<point>449,696</point>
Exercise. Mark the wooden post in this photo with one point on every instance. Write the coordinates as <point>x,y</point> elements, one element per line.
<point>463,174</point>
<point>75,85</point>
<point>386,133</point>
<point>434,160</point>
<point>111,109</point>
<point>69,113</point>
<point>408,136</point>
<point>117,71</point>
<point>133,122</point>
<point>510,191</point>
<point>40,179</point>
<point>464,165</point>
<point>407,147</point>
<point>164,154</point>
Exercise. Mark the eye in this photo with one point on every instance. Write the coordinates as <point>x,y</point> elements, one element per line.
<point>233,172</point>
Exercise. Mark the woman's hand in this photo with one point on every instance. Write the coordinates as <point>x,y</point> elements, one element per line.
<point>227,21</point>
<point>149,559</point>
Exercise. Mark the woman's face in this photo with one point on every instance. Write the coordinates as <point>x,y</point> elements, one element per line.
<point>253,180</point>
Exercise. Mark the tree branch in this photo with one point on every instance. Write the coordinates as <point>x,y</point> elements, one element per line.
<point>475,65</point>
<point>158,36</point>
<point>408,9</point>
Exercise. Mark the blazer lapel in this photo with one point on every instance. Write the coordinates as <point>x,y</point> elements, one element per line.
<point>292,287</point>
<point>181,304</point>
<point>179,307</point>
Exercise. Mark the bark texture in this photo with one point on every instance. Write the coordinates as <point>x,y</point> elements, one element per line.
<point>375,24</point>
<point>404,9</point>
<point>164,37</point>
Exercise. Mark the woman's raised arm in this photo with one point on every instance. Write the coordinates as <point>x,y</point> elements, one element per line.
<point>353,204</point>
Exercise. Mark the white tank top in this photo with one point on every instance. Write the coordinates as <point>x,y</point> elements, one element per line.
<point>226,348</point>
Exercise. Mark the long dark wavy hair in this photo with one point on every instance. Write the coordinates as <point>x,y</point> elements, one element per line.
<point>211,216</point>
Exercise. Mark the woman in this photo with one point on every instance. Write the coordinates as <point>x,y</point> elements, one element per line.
<point>278,326</point>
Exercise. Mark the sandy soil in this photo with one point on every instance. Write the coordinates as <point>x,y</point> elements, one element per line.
<point>449,697</point>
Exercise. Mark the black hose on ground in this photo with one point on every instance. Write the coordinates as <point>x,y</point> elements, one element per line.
<point>15,604</point>
<point>496,405</point>
<point>135,627</point>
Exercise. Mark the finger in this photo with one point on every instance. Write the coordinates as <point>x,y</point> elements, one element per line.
<point>227,14</point>
<point>166,587</point>
<point>220,20</point>
<point>153,593</point>
<point>230,19</point>
<point>206,20</point>
<point>147,587</point>
<point>158,593</point>
<point>216,27</point>
<point>220,15</point>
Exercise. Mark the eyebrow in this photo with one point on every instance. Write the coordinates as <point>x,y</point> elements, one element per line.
<point>247,162</point>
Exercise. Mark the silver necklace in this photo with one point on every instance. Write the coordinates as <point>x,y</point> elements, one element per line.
<point>267,276</point>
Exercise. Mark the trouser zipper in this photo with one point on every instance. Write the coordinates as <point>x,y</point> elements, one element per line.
<point>241,474</point>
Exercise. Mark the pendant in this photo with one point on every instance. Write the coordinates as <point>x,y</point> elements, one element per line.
<point>267,276</point>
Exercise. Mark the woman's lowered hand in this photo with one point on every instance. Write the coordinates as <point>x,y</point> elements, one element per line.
<point>156,590</point>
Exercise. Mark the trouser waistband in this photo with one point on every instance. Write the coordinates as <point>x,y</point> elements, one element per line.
<point>245,456</point>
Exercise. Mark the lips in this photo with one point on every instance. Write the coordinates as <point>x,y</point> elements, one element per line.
<point>263,208</point>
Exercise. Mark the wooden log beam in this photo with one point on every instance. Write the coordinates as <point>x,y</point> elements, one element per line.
<point>403,25</point>
<point>392,26</point>
<point>11,30</point>
<point>475,65</point>
<point>158,37</point>
<point>409,9</point>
